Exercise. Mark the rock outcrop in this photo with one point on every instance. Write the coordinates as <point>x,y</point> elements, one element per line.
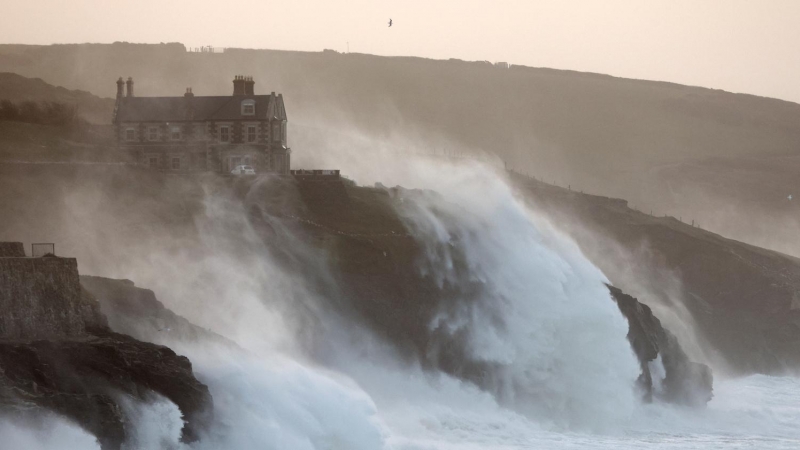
<point>376,272</point>
<point>137,312</point>
<point>85,380</point>
<point>743,299</point>
<point>678,380</point>
<point>58,354</point>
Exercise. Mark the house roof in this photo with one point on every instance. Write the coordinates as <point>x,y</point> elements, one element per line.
<point>161,109</point>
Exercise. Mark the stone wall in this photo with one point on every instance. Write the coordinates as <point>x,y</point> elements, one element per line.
<point>12,250</point>
<point>41,298</point>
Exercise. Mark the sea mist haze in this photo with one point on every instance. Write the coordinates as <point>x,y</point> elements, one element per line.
<point>475,254</point>
<point>308,373</point>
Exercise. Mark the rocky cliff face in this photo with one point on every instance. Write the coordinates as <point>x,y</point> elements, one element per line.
<point>137,312</point>
<point>376,272</point>
<point>743,298</point>
<point>57,353</point>
<point>85,380</point>
<point>667,372</point>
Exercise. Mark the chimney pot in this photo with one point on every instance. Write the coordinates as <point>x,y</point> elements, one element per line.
<point>129,86</point>
<point>249,86</point>
<point>238,85</point>
<point>120,87</point>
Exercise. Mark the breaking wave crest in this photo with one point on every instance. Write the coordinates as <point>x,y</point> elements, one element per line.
<point>539,316</point>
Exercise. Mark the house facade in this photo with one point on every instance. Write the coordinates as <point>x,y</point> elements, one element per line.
<point>204,133</point>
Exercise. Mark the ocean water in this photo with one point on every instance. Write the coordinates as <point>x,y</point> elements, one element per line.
<point>564,371</point>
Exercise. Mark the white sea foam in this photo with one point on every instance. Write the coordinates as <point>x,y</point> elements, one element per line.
<point>544,319</point>
<point>45,433</point>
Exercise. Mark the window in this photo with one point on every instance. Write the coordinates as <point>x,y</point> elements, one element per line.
<point>130,134</point>
<point>152,134</point>
<point>176,163</point>
<point>224,134</point>
<point>248,108</point>
<point>283,131</point>
<point>251,133</point>
<point>276,131</point>
<point>175,133</point>
<point>152,162</point>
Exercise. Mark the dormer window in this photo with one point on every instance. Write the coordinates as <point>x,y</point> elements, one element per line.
<point>249,108</point>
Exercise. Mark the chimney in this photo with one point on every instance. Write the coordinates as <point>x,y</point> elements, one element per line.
<point>189,104</point>
<point>129,85</point>
<point>120,85</point>
<point>249,86</point>
<point>238,85</point>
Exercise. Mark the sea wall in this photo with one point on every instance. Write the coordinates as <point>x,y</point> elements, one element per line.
<point>41,298</point>
<point>12,250</point>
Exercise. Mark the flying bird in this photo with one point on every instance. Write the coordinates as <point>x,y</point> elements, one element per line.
<point>390,23</point>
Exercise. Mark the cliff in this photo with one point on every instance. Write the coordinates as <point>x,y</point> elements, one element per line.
<point>678,379</point>
<point>375,262</point>
<point>137,312</point>
<point>742,298</point>
<point>86,379</point>
<point>57,353</point>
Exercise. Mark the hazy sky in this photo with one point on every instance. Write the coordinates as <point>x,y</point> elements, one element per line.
<point>748,46</point>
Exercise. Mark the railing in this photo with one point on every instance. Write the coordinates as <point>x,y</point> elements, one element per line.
<point>316,174</point>
<point>43,249</point>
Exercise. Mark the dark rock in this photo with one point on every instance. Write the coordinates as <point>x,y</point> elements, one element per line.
<point>743,299</point>
<point>57,353</point>
<point>137,312</point>
<point>377,275</point>
<point>83,379</point>
<point>685,382</point>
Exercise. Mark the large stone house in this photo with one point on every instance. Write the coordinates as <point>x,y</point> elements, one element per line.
<point>193,133</point>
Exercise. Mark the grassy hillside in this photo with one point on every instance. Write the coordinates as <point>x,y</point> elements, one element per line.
<point>656,144</point>
<point>17,89</point>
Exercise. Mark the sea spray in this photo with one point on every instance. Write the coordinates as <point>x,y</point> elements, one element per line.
<point>49,432</point>
<point>542,318</point>
<point>271,402</point>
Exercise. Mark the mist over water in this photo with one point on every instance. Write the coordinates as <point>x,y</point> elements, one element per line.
<point>562,371</point>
